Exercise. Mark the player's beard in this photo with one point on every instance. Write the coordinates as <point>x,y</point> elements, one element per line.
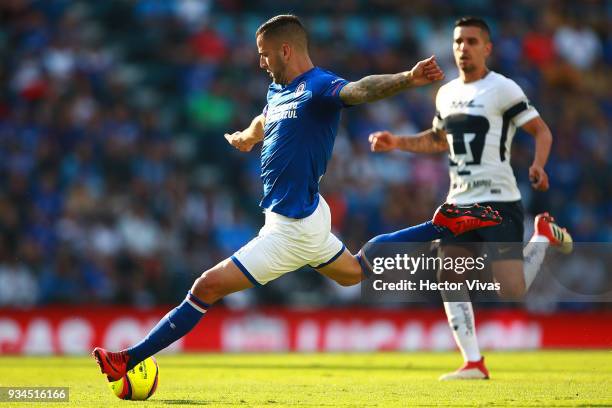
<point>467,66</point>
<point>280,77</point>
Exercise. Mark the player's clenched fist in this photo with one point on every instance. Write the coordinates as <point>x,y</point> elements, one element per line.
<point>538,177</point>
<point>237,140</point>
<point>383,141</point>
<point>426,71</point>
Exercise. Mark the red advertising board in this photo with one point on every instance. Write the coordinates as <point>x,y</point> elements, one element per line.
<point>59,330</point>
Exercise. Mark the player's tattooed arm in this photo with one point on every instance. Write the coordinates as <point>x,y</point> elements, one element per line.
<point>374,87</point>
<point>245,140</point>
<point>429,141</point>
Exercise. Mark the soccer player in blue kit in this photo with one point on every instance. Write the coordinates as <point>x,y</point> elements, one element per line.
<point>297,127</point>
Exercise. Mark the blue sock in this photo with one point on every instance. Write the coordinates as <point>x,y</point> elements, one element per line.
<point>177,323</point>
<point>424,232</point>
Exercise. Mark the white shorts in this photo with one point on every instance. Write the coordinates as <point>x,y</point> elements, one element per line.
<point>286,244</point>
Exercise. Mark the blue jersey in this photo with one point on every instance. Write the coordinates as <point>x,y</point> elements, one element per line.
<point>301,125</point>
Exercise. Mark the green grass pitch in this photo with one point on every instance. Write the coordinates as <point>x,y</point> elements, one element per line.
<point>560,379</point>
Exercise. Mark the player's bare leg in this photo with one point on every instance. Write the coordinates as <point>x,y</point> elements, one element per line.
<point>215,283</point>
<point>219,281</point>
<point>345,270</point>
<point>508,273</point>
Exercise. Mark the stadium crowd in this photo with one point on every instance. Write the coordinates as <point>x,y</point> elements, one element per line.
<point>117,186</point>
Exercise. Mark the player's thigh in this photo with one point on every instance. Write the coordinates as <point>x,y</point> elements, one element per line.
<point>509,274</point>
<point>345,269</point>
<point>456,250</point>
<point>220,280</point>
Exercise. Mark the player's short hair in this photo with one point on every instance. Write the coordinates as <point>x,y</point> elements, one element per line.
<point>474,22</point>
<point>287,27</point>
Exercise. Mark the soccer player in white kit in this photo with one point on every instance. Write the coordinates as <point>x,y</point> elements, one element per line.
<point>476,117</point>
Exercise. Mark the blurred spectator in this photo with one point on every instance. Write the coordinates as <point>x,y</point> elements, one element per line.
<point>578,44</point>
<point>19,286</point>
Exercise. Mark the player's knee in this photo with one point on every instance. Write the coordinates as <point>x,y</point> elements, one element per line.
<point>349,280</point>
<point>515,291</point>
<point>209,287</point>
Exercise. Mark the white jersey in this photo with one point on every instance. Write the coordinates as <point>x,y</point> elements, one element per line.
<point>480,119</point>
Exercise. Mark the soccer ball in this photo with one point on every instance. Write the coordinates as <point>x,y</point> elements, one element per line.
<point>139,383</point>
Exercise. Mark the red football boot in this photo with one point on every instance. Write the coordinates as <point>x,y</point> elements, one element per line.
<point>558,237</point>
<point>460,219</point>
<point>471,370</point>
<point>114,365</point>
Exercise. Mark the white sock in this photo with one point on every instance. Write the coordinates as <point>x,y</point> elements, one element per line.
<point>461,320</point>
<point>533,254</point>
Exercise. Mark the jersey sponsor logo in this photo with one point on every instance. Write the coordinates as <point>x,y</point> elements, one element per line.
<point>284,111</point>
<point>469,185</point>
<point>465,104</point>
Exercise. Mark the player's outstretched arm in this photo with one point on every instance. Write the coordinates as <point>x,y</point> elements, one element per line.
<point>249,137</point>
<point>429,141</point>
<point>375,87</point>
<point>537,128</point>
